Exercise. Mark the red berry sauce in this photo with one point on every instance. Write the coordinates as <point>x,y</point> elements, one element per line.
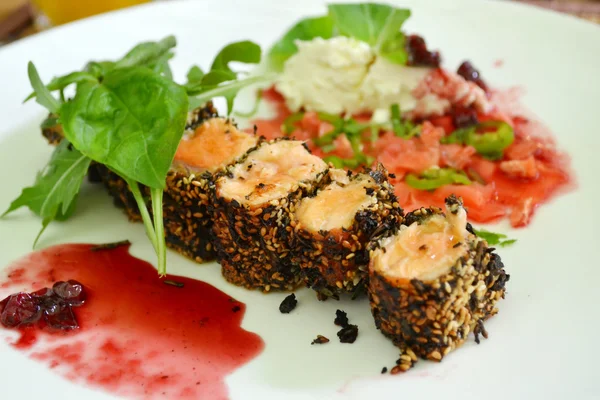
<point>136,337</point>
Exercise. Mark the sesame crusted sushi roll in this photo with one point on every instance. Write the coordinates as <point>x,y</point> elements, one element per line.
<point>433,282</point>
<point>332,230</point>
<point>209,145</point>
<point>253,203</point>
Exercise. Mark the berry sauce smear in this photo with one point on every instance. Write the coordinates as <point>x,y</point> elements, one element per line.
<point>132,335</point>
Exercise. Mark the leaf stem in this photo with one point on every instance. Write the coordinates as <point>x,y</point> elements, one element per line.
<point>139,199</point>
<point>159,230</point>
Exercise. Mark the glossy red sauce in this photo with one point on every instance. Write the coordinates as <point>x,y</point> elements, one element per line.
<point>531,172</point>
<point>138,337</point>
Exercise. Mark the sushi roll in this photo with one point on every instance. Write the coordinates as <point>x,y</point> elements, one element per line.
<point>332,230</point>
<point>433,282</point>
<point>210,143</point>
<point>253,201</point>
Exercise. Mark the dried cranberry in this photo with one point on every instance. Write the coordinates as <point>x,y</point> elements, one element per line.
<point>52,304</point>
<point>63,320</point>
<point>463,117</point>
<point>467,71</point>
<point>72,291</point>
<point>419,55</point>
<point>43,292</point>
<point>20,309</point>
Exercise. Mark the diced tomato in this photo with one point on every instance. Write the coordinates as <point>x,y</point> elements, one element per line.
<point>521,149</point>
<point>415,155</point>
<point>444,122</point>
<point>526,169</point>
<point>456,156</point>
<point>522,212</point>
<point>484,168</point>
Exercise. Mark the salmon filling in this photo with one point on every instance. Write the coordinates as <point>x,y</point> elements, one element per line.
<point>424,251</point>
<point>271,172</point>
<point>213,145</point>
<point>337,204</point>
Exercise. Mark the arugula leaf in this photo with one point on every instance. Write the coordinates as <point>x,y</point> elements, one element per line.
<point>99,68</point>
<point>194,75</point>
<point>147,53</point>
<point>306,29</point>
<point>228,90</point>
<point>162,65</point>
<point>42,94</point>
<point>55,190</point>
<point>132,122</point>
<point>493,238</point>
<point>372,23</point>
<point>61,82</point>
<point>221,80</point>
<point>245,51</point>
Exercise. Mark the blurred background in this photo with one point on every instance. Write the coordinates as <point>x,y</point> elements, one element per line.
<point>20,18</point>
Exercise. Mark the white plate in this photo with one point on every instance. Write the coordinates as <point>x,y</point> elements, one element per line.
<point>543,344</point>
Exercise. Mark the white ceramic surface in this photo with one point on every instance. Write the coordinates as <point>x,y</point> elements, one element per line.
<point>543,344</point>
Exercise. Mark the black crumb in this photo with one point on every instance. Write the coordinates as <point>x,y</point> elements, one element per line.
<point>348,334</point>
<point>173,283</point>
<point>320,340</point>
<point>110,246</point>
<point>288,304</point>
<point>236,308</point>
<point>341,319</point>
<point>383,370</point>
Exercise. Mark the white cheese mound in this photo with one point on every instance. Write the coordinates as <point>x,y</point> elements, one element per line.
<point>343,75</point>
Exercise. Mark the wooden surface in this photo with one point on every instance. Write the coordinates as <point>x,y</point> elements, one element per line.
<point>17,20</point>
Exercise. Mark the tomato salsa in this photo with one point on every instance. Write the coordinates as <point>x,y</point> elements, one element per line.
<point>530,171</point>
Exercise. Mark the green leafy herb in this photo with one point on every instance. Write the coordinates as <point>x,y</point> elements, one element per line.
<point>54,193</point>
<point>305,29</point>
<point>353,131</point>
<point>434,178</point>
<point>228,91</point>
<point>493,238</point>
<point>194,76</point>
<point>245,52</point>
<point>42,94</point>
<point>402,128</point>
<point>376,24</point>
<point>147,54</point>
<point>221,80</point>
<point>132,122</point>
<point>490,143</point>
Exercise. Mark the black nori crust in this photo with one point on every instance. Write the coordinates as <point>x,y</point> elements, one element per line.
<point>185,202</point>
<point>253,243</point>
<point>335,262</point>
<point>429,320</point>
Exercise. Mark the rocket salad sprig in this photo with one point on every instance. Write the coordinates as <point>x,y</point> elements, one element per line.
<point>128,115</point>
